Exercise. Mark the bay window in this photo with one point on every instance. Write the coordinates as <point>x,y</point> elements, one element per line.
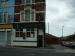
<point>27,15</point>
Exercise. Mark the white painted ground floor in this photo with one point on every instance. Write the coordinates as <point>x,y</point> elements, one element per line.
<point>8,38</point>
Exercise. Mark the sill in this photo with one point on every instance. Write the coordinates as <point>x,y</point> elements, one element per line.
<point>23,41</point>
<point>28,22</point>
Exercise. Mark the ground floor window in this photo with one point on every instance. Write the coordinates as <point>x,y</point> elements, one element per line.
<point>29,32</point>
<point>26,33</point>
<point>19,33</point>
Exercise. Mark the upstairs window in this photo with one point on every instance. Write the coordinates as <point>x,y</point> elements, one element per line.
<point>28,1</point>
<point>6,18</point>
<point>3,17</point>
<point>27,15</point>
<point>0,18</point>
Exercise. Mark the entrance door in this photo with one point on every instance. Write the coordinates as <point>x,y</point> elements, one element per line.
<point>40,41</point>
<point>2,38</point>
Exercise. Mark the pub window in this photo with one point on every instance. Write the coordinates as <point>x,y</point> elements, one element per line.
<point>4,17</point>
<point>19,33</point>
<point>29,33</point>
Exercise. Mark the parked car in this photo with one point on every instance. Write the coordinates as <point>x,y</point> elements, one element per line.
<point>65,43</point>
<point>70,44</point>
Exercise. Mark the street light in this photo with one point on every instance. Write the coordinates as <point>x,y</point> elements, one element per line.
<point>48,28</point>
<point>62,30</point>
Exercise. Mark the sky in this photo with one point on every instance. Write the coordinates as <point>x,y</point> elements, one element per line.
<point>60,14</point>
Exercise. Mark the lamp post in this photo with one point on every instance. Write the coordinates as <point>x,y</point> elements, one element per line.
<point>48,28</point>
<point>62,30</point>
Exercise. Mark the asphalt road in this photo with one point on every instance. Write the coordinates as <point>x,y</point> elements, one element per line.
<point>58,46</point>
<point>34,52</point>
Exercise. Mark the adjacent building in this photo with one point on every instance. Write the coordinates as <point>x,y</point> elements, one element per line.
<point>27,27</point>
<point>5,26</point>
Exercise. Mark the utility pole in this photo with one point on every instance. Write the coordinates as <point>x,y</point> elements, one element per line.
<point>48,28</point>
<point>62,30</point>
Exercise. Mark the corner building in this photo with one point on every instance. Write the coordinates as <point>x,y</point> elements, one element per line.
<point>29,23</point>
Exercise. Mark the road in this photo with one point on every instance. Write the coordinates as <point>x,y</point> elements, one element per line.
<point>58,46</point>
<point>35,52</point>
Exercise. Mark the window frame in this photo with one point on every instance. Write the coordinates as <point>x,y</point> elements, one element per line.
<point>4,17</point>
<point>22,19</point>
<point>30,32</point>
<point>20,32</point>
<point>31,2</point>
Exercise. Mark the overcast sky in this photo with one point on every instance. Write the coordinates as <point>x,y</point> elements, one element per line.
<point>60,13</point>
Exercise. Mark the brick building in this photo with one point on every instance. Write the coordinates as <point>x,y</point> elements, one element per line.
<point>29,23</point>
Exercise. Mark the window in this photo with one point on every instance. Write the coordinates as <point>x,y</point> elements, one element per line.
<point>29,33</point>
<point>6,18</point>
<point>27,15</point>
<point>32,16</point>
<point>33,1</point>
<point>3,4</point>
<point>40,17</point>
<point>10,18</point>
<point>19,33</point>
<point>22,16</point>
<point>28,1</point>
<point>3,17</point>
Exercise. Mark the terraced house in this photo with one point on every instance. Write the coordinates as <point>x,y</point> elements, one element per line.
<point>27,24</point>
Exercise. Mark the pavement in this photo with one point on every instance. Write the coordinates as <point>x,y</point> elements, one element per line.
<point>57,46</point>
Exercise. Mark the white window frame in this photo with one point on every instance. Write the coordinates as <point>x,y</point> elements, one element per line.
<point>19,33</point>
<point>6,18</point>
<point>23,11</point>
<point>25,31</point>
<point>31,2</point>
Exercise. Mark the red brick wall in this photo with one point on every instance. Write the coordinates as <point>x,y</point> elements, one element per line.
<point>52,41</point>
<point>40,7</point>
<point>37,7</point>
